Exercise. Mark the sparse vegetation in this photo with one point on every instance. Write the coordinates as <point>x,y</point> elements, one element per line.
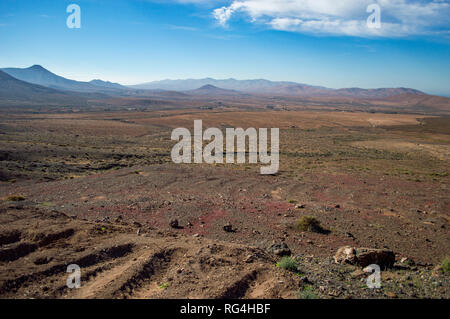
<point>310,223</point>
<point>15,198</point>
<point>446,265</point>
<point>308,293</point>
<point>164,285</point>
<point>288,263</point>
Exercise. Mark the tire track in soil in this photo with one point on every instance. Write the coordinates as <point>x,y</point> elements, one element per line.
<point>12,285</point>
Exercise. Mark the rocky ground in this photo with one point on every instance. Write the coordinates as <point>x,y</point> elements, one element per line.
<point>132,246</point>
<point>84,192</point>
<point>120,259</point>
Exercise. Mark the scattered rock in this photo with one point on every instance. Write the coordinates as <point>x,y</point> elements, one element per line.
<point>249,259</point>
<point>280,249</point>
<point>135,223</point>
<point>358,274</point>
<point>407,261</point>
<point>304,280</point>
<point>228,228</point>
<point>174,223</point>
<point>43,260</point>
<point>334,293</point>
<point>350,235</point>
<point>390,294</point>
<point>345,255</point>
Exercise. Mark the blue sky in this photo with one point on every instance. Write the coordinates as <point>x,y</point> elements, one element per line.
<point>315,42</point>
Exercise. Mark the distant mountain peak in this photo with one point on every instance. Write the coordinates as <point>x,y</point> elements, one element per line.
<point>107,84</point>
<point>37,67</point>
<point>209,87</point>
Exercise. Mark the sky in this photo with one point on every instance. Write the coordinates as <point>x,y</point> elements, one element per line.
<point>318,42</point>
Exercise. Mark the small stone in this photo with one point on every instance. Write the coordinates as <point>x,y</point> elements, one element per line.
<point>334,293</point>
<point>249,259</point>
<point>173,223</point>
<point>407,261</point>
<point>391,294</point>
<point>228,228</point>
<point>280,249</point>
<point>358,273</point>
<point>304,280</point>
<point>350,235</point>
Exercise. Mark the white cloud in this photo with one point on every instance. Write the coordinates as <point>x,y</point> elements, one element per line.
<point>343,17</point>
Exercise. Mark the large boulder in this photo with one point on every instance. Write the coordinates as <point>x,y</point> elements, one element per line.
<point>365,256</point>
<point>381,257</point>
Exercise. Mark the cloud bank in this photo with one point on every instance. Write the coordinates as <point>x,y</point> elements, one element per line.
<point>343,17</point>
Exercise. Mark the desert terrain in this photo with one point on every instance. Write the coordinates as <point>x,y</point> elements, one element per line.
<point>98,188</point>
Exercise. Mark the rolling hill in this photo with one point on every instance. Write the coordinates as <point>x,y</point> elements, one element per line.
<point>212,90</point>
<point>15,92</point>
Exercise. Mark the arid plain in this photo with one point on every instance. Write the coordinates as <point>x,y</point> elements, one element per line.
<point>99,189</point>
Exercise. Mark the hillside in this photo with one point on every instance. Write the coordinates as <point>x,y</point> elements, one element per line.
<point>41,76</point>
<point>14,92</point>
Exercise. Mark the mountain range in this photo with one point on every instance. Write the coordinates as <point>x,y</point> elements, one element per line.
<point>38,86</point>
<point>266,87</point>
<point>37,74</point>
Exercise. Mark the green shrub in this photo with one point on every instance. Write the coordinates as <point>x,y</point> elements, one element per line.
<point>288,263</point>
<point>309,223</point>
<point>164,285</point>
<point>446,265</point>
<point>308,293</point>
<point>15,198</point>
